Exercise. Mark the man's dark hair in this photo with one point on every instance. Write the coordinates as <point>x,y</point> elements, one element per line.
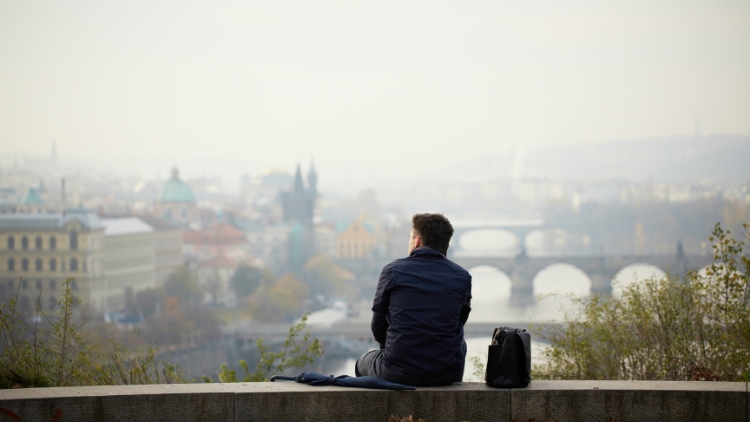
<point>434,229</point>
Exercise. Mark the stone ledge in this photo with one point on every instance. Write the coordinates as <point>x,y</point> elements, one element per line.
<point>543,401</point>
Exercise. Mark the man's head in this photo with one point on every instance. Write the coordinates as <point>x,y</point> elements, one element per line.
<point>433,230</point>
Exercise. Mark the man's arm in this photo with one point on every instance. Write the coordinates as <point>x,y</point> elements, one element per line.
<point>379,323</point>
<point>466,307</point>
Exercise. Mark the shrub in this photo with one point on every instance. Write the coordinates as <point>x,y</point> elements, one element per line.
<point>296,353</point>
<point>695,327</point>
<point>43,351</point>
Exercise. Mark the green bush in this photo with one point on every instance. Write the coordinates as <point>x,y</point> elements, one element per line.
<point>696,327</point>
<point>48,351</point>
<point>297,352</point>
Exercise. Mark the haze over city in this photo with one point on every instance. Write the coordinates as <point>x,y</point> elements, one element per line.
<point>369,91</point>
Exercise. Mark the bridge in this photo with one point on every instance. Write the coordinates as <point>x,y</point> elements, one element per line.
<point>601,270</point>
<point>522,268</point>
<point>520,228</point>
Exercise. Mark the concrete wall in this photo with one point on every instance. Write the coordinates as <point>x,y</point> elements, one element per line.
<point>557,401</point>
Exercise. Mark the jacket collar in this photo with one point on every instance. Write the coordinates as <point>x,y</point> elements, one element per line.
<point>426,252</point>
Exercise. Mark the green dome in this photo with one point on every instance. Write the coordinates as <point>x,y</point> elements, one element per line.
<point>32,198</point>
<point>175,190</point>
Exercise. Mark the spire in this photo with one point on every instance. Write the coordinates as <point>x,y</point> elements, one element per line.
<point>175,173</point>
<point>299,186</point>
<point>312,179</point>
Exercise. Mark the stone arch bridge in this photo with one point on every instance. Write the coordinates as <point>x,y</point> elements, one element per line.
<point>600,269</point>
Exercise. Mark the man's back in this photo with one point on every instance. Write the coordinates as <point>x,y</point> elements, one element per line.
<point>419,311</point>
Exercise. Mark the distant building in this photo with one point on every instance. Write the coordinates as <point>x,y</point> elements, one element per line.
<point>299,209</point>
<point>357,241</point>
<point>325,240</point>
<point>217,239</point>
<point>214,278</point>
<point>110,259</point>
<point>43,250</point>
<point>176,202</point>
<point>168,247</point>
<point>31,203</point>
<point>270,246</point>
<point>129,261</point>
<point>299,202</point>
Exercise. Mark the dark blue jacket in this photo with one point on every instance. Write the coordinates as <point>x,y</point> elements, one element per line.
<point>420,308</point>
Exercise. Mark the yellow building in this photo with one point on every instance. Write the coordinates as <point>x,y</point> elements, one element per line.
<point>42,250</point>
<point>357,241</point>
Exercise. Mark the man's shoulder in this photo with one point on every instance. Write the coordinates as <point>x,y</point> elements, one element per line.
<point>413,261</point>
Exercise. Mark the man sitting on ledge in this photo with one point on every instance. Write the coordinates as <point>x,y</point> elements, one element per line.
<point>421,305</point>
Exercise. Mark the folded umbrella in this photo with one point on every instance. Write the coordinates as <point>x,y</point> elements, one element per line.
<point>314,378</point>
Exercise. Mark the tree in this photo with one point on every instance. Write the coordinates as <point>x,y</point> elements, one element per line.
<point>696,327</point>
<point>324,277</point>
<point>281,301</point>
<point>247,279</point>
<point>148,301</point>
<point>296,353</point>
<point>182,284</point>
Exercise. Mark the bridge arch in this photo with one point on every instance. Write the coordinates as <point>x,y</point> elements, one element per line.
<point>547,242</point>
<point>488,242</point>
<point>491,292</point>
<point>634,273</point>
<point>556,287</point>
<point>562,278</point>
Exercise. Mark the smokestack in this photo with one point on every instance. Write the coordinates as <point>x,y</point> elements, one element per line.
<point>62,199</point>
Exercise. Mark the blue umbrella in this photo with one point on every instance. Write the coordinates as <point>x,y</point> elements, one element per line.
<point>314,378</point>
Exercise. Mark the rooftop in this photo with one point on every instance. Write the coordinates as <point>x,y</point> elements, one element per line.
<point>125,226</point>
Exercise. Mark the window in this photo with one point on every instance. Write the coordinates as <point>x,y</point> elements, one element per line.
<point>11,242</point>
<point>52,303</point>
<point>73,264</point>
<point>39,284</point>
<point>24,243</point>
<point>38,264</point>
<point>38,243</point>
<point>53,264</point>
<point>52,285</point>
<point>73,240</point>
<point>11,264</point>
<point>24,264</point>
<point>53,243</point>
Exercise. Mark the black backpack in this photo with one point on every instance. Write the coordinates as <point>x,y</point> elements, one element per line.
<point>509,359</point>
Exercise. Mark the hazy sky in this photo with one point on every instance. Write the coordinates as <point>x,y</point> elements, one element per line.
<point>369,89</point>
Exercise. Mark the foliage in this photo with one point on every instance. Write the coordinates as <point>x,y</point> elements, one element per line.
<point>182,284</point>
<point>184,325</point>
<point>324,277</point>
<point>148,301</point>
<point>247,279</point>
<point>42,351</point>
<point>281,301</point>
<point>297,352</point>
<point>692,328</point>
<point>478,364</point>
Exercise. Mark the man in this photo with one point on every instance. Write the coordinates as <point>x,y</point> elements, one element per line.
<point>421,305</point>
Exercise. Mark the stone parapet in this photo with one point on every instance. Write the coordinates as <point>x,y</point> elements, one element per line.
<point>557,401</point>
